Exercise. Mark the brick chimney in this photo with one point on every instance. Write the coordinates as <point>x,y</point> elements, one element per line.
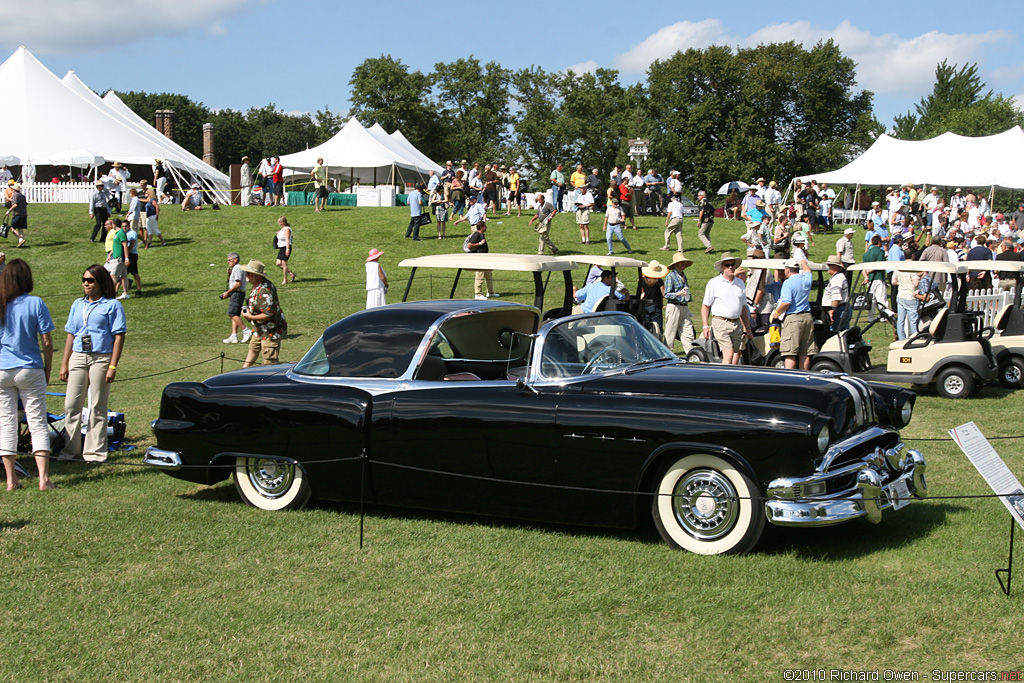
<point>208,156</point>
<point>164,122</point>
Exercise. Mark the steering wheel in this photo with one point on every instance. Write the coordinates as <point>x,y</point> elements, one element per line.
<point>609,351</point>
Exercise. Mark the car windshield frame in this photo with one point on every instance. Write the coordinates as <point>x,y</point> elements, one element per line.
<point>574,348</point>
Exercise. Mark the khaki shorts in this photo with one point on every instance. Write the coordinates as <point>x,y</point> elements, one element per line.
<point>728,333</point>
<point>116,268</point>
<point>798,335</point>
<point>270,349</point>
<point>583,216</point>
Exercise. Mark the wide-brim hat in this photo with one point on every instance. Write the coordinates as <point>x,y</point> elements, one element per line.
<point>799,239</point>
<point>255,267</point>
<point>760,202</point>
<point>245,158</point>
<point>759,180</point>
<point>374,255</point>
<point>654,270</point>
<point>116,164</point>
<point>16,187</point>
<point>727,256</point>
<point>849,231</point>
<point>834,260</point>
<point>98,183</point>
<point>678,257</point>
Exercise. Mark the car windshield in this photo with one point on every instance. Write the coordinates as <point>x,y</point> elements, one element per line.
<point>582,346</point>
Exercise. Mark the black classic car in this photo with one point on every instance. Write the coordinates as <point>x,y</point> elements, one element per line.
<point>475,406</point>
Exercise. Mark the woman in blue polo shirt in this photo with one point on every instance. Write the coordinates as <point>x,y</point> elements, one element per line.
<point>24,370</point>
<point>95,327</point>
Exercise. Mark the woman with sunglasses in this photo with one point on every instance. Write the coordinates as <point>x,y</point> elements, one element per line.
<point>95,327</point>
<point>24,370</point>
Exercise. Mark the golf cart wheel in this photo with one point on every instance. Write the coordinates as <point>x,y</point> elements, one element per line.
<point>697,355</point>
<point>825,365</point>
<point>1011,372</point>
<point>955,382</point>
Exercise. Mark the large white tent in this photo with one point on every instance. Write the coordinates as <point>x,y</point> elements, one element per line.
<point>42,119</point>
<point>177,159</point>
<point>946,160</point>
<point>363,156</point>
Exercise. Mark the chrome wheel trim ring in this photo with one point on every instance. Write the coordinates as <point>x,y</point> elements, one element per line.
<point>705,504</point>
<point>270,478</point>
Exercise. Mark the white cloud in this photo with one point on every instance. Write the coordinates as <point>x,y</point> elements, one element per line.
<point>587,67</point>
<point>886,63</point>
<point>51,27</point>
<point>666,42</point>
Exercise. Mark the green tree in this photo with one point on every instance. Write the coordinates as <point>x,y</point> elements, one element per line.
<point>273,132</point>
<point>538,142</point>
<point>775,110</point>
<point>958,103</point>
<point>189,116</point>
<point>384,91</point>
<point>473,102</point>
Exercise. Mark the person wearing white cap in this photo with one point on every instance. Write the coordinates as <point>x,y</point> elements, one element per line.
<point>724,310</point>
<point>844,247</point>
<point>193,199</point>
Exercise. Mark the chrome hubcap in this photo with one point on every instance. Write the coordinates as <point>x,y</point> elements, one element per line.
<point>705,504</point>
<point>270,478</point>
<point>1012,374</point>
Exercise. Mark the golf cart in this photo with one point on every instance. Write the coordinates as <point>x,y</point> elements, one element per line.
<point>538,265</point>
<point>759,351</point>
<point>1008,340</point>
<point>612,263</point>
<point>953,350</point>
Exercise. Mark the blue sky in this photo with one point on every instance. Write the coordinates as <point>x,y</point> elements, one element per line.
<point>300,55</point>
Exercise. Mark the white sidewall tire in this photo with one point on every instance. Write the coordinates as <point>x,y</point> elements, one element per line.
<point>746,528</point>
<point>295,495</point>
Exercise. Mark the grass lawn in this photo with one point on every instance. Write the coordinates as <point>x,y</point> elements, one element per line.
<point>124,574</point>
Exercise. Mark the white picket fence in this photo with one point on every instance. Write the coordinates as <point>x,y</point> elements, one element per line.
<point>58,193</point>
<point>989,301</point>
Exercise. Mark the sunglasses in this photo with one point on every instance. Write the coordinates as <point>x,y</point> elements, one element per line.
<point>90,280</point>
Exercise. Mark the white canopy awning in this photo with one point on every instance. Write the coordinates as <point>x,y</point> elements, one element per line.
<point>947,160</point>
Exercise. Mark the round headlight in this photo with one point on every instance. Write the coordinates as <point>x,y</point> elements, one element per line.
<point>906,412</point>
<point>824,438</point>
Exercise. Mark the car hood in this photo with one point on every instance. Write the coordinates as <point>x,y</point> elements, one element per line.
<point>833,395</point>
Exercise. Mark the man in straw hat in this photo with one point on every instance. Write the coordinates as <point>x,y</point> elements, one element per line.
<point>264,311</point>
<point>678,318</point>
<point>794,309</point>
<point>725,308</point>
<point>99,209</point>
<point>837,295</point>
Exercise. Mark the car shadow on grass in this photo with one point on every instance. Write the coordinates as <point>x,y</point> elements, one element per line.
<point>150,290</point>
<point>118,464</point>
<point>910,525</point>
<point>13,525</point>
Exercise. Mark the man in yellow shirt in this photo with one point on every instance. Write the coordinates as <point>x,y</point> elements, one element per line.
<point>578,180</point>
<point>513,192</point>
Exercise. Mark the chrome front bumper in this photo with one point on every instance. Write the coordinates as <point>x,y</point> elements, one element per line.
<point>874,485</point>
<point>164,459</point>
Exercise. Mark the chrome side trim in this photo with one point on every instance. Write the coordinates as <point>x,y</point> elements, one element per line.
<point>164,459</point>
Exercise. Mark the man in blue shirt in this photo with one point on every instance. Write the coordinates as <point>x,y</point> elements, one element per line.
<point>794,308</point>
<point>590,295</point>
<point>656,184</point>
<point>415,211</point>
<point>896,250</point>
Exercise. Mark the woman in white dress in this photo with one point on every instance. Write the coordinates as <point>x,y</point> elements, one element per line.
<point>376,281</point>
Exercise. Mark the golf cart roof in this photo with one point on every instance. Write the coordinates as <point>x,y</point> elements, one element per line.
<point>928,266</point>
<point>517,262</point>
<point>1004,266</point>
<point>612,261</point>
<point>776,263</point>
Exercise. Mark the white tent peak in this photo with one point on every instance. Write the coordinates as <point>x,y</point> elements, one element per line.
<point>363,155</point>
